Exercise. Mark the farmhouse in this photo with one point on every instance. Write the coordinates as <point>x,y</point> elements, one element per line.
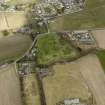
<point>83,39</point>
<point>83,36</point>
<point>25,68</point>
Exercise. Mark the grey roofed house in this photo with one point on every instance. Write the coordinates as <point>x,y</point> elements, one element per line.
<point>83,36</point>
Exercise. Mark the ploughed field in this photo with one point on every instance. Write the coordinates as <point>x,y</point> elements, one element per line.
<point>12,20</point>
<point>94,75</point>
<point>10,93</point>
<point>65,82</point>
<point>13,47</point>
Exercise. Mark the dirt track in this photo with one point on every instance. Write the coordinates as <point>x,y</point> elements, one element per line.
<point>9,86</point>
<point>93,74</point>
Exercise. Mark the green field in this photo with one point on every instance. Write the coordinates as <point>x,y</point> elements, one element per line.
<point>101,56</point>
<point>52,48</point>
<point>93,16</point>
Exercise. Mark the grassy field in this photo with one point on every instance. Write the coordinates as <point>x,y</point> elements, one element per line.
<point>93,16</point>
<point>12,47</point>
<point>52,48</point>
<point>66,83</point>
<point>101,56</point>
<point>12,20</point>
<point>31,90</point>
<point>9,86</point>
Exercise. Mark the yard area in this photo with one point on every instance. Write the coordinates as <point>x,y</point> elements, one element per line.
<point>65,83</point>
<point>51,48</point>
<point>93,16</point>
<point>31,90</point>
<point>12,47</point>
<point>10,93</point>
<point>12,20</point>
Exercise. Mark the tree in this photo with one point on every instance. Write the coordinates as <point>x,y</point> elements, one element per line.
<point>5,33</point>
